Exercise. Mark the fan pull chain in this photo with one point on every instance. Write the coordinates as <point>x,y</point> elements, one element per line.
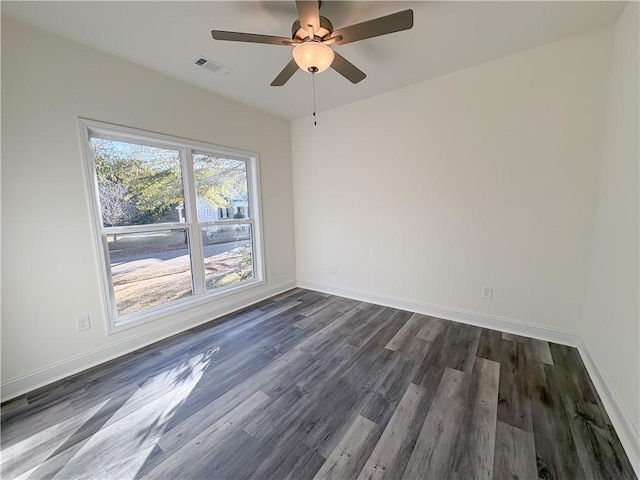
<point>313,83</point>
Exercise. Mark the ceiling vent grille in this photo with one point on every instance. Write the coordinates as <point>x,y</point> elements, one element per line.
<point>215,67</point>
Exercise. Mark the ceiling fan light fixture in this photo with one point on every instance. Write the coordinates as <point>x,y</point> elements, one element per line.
<point>313,57</point>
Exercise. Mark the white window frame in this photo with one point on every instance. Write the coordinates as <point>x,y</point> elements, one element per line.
<point>187,148</point>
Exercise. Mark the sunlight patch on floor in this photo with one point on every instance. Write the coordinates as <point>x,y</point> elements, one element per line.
<point>45,442</point>
<point>140,422</point>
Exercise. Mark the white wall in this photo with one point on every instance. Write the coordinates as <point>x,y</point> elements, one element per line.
<point>486,176</point>
<point>611,319</point>
<point>49,266</point>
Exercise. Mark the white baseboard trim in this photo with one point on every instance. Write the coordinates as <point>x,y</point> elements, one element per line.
<point>483,320</point>
<point>626,430</point>
<point>70,366</point>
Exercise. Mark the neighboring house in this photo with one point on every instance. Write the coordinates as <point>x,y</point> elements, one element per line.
<point>237,208</point>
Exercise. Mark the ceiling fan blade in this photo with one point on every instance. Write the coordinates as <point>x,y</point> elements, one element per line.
<point>395,22</point>
<point>249,37</point>
<point>309,14</point>
<point>347,69</point>
<point>331,40</point>
<point>286,73</point>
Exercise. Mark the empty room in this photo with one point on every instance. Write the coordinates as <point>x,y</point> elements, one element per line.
<point>320,240</point>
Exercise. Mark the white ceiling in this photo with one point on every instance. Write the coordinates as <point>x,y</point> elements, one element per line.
<point>447,36</point>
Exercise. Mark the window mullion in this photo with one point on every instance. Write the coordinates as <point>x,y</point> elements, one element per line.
<point>191,208</point>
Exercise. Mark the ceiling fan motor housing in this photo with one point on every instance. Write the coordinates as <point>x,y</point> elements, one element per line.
<point>299,32</point>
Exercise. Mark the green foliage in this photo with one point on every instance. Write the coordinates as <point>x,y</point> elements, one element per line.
<point>140,184</point>
<point>246,262</point>
<point>219,180</point>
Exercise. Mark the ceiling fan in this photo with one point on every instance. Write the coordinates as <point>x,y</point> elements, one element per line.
<point>312,35</point>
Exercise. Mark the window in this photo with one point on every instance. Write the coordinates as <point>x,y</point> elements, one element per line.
<point>153,198</point>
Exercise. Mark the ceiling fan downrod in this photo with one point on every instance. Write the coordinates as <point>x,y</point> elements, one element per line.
<point>313,71</point>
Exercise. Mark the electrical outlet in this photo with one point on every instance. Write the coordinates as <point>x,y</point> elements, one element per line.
<point>487,293</point>
<point>333,269</point>
<point>272,271</point>
<point>83,323</point>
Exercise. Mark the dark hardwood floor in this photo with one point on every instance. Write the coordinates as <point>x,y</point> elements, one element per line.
<point>308,385</point>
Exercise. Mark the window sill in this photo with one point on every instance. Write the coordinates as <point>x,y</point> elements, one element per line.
<point>168,310</point>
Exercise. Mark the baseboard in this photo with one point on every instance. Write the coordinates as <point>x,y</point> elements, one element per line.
<point>57,371</point>
<point>626,430</point>
<point>484,320</point>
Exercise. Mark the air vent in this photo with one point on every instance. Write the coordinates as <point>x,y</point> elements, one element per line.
<point>215,67</point>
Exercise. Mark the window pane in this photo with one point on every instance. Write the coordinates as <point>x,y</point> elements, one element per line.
<point>137,184</point>
<point>228,255</point>
<point>221,188</point>
<point>149,268</point>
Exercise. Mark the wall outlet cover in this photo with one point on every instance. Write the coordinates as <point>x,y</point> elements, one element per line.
<point>83,323</point>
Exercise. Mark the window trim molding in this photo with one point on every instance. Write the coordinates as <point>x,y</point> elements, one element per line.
<point>113,323</point>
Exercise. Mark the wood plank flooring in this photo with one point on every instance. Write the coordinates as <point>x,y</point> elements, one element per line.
<point>312,386</point>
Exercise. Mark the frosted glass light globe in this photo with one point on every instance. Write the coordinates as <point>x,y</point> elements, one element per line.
<point>313,57</point>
